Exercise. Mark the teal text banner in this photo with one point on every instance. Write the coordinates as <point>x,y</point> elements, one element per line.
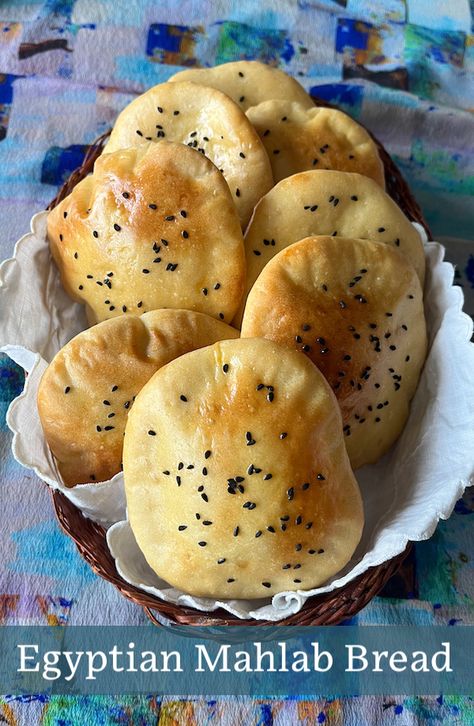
<point>257,661</point>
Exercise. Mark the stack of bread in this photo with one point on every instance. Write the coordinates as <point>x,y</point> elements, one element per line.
<point>257,329</point>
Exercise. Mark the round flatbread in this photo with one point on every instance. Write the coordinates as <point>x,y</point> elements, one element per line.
<point>154,226</point>
<point>88,390</point>
<point>210,122</point>
<point>299,139</point>
<point>326,202</point>
<point>248,83</point>
<point>355,308</point>
<point>236,475</point>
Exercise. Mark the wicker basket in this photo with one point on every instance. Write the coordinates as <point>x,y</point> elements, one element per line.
<point>89,537</point>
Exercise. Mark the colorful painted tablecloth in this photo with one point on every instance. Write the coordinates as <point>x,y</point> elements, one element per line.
<point>402,67</point>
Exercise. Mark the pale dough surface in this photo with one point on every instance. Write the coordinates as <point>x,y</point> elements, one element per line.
<point>154,226</point>
<point>89,388</point>
<point>299,139</point>
<point>355,308</point>
<point>208,121</point>
<point>248,83</point>
<point>326,203</point>
<point>237,479</point>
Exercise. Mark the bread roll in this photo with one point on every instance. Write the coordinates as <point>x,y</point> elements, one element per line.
<point>88,390</point>
<point>355,308</point>
<point>237,480</point>
<point>298,139</point>
<point>207,120</point>
<point>248,83</point>
<point>153,227</point>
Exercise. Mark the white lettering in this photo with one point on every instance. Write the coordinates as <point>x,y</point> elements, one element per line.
<point>353,655</point>
<point>223,654</point>
<point>24,658</point>
<point>73,666</point>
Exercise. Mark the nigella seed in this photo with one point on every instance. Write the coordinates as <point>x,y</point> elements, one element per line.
<point>204,291</point>
<point>320,477</point>
<point>221,316</point>
<point>242,155</point>
<point>231,579</point>
<point>290,493</point>
<point>296,580</point>
<point>221,561</point>
<point>205,497</point>
<point>225,367</point>
<point>311,552</point>
<point>98,428</point>
<point>67,389</point>
<point>145,271</point>
<point>283,435</point>
<point>202,544</point>
<point>204,471</point>
<point>185,234</point>
<point>298,519</point>
<point>151,433</point>
<point>258,533</point>
<point>236,531</point>
<point>206,522</point>
<point>266,584</point>
<point>298,547</point>
<point>237,192</point>
<point>180,466</point>
<point>283,527</point>
<point>183,398</point>
<point>124,308</point>
<point>178,480</point>
<point>117,227</point>
<point>286,567</point>
<point>271,529</point>
<point>81,287</point>
<point>305,486</point>
<point>125,195</point>
<point>309,525</point>
<point>108,428</point>
<point>267,477</point>
<point>207,454</point>
<point>217,286</point>
<point>182,527</point>
<point>106,403</point>
<point>257,253</point>
<point>381,229</point>
<point>270,396</point>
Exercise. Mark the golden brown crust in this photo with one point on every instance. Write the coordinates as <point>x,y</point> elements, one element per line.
<point>326,202</point>
<point>87,391</point>
<point>153,226</point>
<point>248,83</point>
<point>207,120</point>
<point>355,307</point>
<point>237,479</point>
<point>299,139</point>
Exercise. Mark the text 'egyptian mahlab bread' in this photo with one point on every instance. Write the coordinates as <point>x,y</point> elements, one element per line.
<point>355,308</point>
<point>248,83</point>
<point>208,121</point>
<point>153,227</point>
<point>333,203</point>
<point>298,139</point>
<point>88,390</point>
<point>237,479</point>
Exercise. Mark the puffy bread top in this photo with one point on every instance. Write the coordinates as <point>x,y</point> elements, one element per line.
<point>298,139</point>
<point>326,202</point>
<point>89,388</point>
<point>248,83</point>
<point>154,226</point>
<point>355,308</point>
<point>236,475</point>
<point>204,119</point>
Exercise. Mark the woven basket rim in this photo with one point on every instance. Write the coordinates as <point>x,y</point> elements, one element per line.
<point>90,537</point>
